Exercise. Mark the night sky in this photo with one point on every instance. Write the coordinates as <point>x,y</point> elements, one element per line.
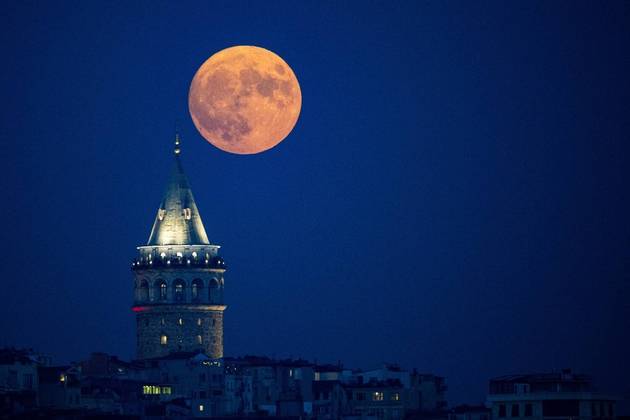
<point>454,196</point>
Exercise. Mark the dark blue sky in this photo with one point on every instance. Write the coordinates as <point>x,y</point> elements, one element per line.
<point>454,196</point>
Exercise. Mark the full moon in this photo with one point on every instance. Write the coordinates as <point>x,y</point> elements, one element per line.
<point>244,100</point>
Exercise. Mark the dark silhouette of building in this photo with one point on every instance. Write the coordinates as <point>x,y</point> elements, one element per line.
<point>557,395</point>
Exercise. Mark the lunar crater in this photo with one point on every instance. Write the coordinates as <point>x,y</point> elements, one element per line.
<point>244,100</point>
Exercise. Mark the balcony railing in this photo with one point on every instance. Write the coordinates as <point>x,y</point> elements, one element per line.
<point>149,263</point>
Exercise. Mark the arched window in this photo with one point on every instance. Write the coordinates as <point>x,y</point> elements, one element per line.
<point>161,289</point>
<point>143,291</point>
<point>213,291</point>
<point>179,290</point>
<point>196,289</point>
<point>163,339</point>
<point>199,340</point>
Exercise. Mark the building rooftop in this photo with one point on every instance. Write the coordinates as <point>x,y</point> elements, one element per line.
<point>9,356</point>
<point>328,368</point>
<point>389,383</point>
<point>562,381</point>
<point>266,361</point>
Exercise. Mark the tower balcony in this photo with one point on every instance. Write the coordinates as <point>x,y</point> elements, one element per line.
<point>216,263</point>
<point>178,256</point>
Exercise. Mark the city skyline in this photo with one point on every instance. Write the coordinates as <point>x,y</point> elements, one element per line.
<point>453,196</point>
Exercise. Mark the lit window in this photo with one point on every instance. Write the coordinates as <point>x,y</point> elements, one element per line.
<point>155,390</point>
<point>395,396</point>
<point>163,254</point>
<point>199,321</point>
<point>179,255</point>
<point>187,214</point>
<point>200,407</point>
<point>194,254</point>
<point>180,321</point>
<point>163,340</point>
<point>199,339</point>
<point>62,378</point>
<point>162,291</point>
<point>377,396</point>
<point>161,213</point>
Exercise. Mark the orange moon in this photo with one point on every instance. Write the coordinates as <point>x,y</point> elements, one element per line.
<point>244,100</point>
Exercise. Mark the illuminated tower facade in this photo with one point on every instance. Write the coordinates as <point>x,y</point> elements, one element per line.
<point>178,279</point>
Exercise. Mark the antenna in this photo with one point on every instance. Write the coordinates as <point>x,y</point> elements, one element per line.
<point>178,148</point>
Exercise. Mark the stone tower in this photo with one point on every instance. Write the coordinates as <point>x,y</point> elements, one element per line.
<point>178,279</point>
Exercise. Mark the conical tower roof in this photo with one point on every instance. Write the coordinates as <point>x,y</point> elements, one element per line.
<point>178,221</point>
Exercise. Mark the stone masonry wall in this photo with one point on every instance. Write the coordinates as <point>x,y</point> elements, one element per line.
<point>185,329</point>
<point>189,321</point>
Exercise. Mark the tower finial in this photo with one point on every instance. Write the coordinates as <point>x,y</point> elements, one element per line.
<point>178,148</point>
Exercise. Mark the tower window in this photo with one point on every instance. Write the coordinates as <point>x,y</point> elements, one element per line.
<point>213,291</point>
<point>143,291</point>
<point>163,340</point>
<point>162,321</point>
<point>196,289</point>
<point>187,214</point>
<point>199,321</point>
<point>162,290</point>
<point>161,214</point>
<point>179,290</point>
<point>180,321</point>
<point>199,339</point>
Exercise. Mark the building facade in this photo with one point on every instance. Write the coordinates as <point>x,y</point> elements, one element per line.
<point>178,279</point>
<point>549,396</point>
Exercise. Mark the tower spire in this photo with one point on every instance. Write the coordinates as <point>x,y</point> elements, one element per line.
<point>178,221</point>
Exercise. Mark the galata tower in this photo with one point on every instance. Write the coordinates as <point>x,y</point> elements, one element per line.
<point>178,279</point>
